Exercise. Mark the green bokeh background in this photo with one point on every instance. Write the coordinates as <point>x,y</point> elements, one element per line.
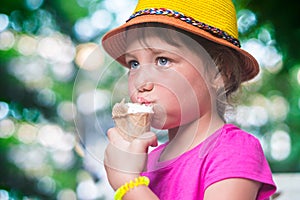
<point>26,104</point>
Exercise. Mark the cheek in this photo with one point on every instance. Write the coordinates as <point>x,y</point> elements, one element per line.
<point>177,100</point>
<point>131,89</point>
<point>160,117</point>
<point>192,95</point>
<point>167,111</point>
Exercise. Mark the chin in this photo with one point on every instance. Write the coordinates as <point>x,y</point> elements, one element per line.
<point>162,124</point>
<point>158,124</point>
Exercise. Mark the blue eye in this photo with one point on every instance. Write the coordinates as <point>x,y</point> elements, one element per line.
<point>163,61</point>
<point>134,64</point>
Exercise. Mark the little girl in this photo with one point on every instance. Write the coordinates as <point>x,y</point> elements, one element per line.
<point>185,60</point>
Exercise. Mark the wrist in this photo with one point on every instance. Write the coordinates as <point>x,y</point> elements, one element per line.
<point>142,192</point>
<point>121,179</point>
<point>134,184</point>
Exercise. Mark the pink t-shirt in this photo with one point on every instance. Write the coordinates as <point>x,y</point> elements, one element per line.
<point>228,153</point>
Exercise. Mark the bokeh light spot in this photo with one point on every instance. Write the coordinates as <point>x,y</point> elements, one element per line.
<point>251,116</point>
<point>31,159</point>
<point>63,159</point>
<point>84,29</point>
<point>57,48</point>
<point>298,76</point>
<point>4,109</point>
<point>280,145</point>
<point>267,55</point>
<point>89,56</point>
<point>46,185</point>
<point>87,190</point>
<point>54,137</point>
<point>7,128</point>
<point>27,133</point>
<point>67,111</point>
<point>4,195</point>
<point>50,135</point>
<point>279,108</point>
<point>246,19</point>
<point>4,21</point>
<point>32,72</point>
<point>92,101</point>
<point>63,71</point>
<point>46,97</point>
<point>34,4</point>
<point>101,19</point>
<point>66,194</point>
<point>7,40</point>
<point>27,45</point>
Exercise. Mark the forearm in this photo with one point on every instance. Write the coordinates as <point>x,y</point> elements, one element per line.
<point>124,161</point>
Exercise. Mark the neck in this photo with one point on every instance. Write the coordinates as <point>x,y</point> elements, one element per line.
<point>188,136</point>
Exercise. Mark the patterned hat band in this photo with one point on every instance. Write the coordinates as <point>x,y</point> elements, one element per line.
<point>171,13</point>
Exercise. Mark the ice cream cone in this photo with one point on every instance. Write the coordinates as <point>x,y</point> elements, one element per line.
<point>131,125</point>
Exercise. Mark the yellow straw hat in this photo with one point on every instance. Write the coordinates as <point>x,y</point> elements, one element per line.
<point>214,20</point>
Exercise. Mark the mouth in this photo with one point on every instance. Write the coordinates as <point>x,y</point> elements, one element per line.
<point>147,103</point>
<point>144,101</point>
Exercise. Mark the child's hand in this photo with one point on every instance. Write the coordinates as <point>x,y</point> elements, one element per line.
<point>125,160</point>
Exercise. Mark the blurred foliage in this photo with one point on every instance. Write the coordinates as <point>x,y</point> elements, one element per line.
<point>34,103</point>
<point>283,17</point>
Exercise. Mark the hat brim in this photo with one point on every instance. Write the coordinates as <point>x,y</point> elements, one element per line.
<point>114,42</point>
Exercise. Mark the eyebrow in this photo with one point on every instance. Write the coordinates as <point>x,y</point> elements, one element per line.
<point>154,50</point>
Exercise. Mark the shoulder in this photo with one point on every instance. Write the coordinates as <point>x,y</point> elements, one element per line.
<point>238,154</point>
<point>238,139</point>
<point>235,153</point>
<point>231,131</point>
<point>236,146</point>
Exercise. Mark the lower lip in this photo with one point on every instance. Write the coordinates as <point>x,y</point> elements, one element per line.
<point>147,103</point>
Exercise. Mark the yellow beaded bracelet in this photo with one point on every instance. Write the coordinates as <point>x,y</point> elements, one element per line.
<point>142,180</point>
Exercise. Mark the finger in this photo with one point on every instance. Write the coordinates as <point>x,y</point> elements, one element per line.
<point>117,159</point>
<point>142,143</point>
<point>150,138</point>
<point>114,135</point>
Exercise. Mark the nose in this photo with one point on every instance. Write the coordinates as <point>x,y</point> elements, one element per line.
<point>146,87</point>
<point>143,78</point>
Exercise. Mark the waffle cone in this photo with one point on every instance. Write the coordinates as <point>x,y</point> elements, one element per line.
<point>132,125</point>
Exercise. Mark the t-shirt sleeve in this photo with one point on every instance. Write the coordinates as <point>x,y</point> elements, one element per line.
<point>238,154</point>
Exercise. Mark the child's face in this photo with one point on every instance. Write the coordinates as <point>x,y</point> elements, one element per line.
<point>170,77</point>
